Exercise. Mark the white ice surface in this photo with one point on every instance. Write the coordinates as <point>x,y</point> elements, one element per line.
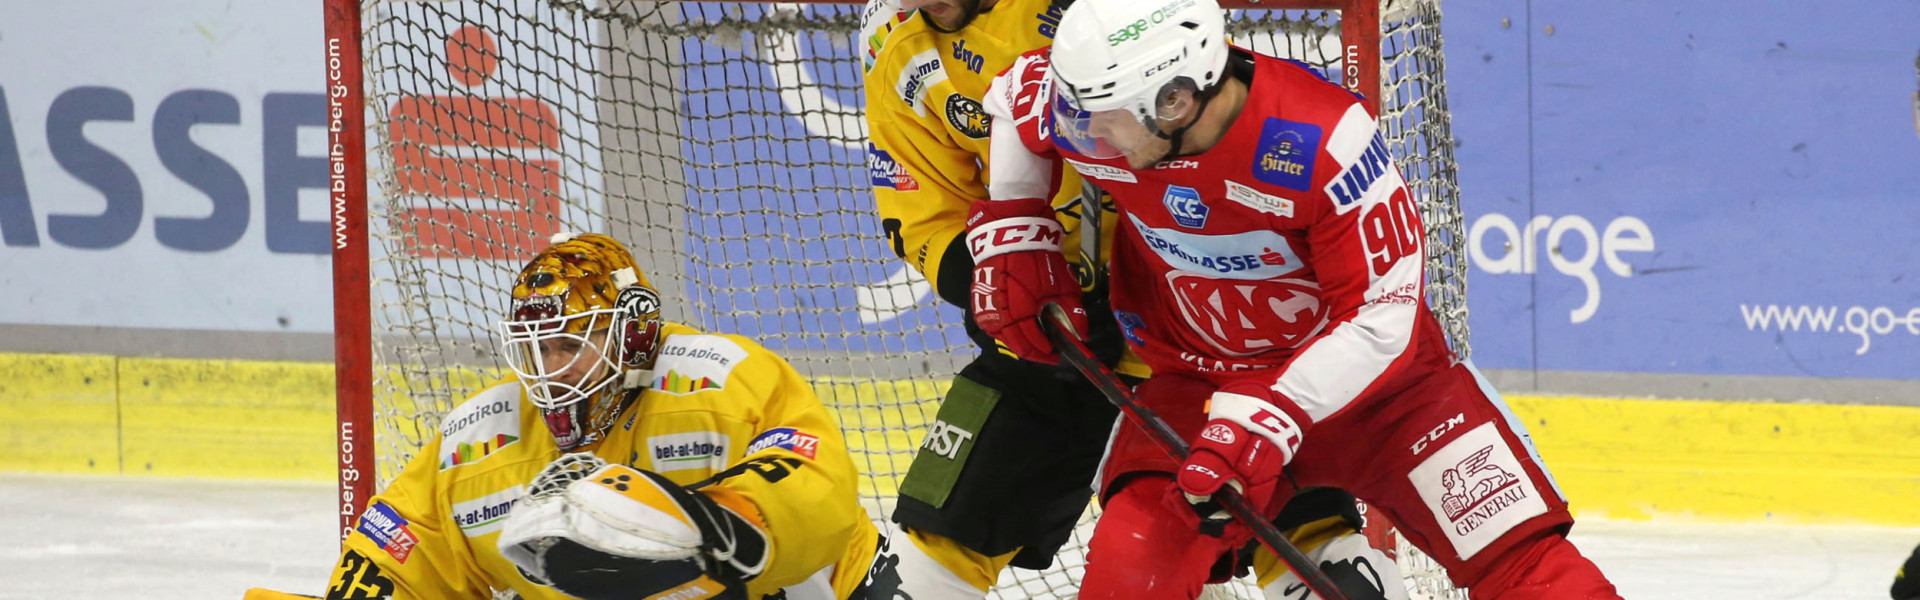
<point>165,539</point>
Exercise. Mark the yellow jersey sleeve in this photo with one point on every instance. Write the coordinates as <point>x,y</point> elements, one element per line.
<point>405,545</point>
<point>795,472</point>
<point>923,179</point>
<point>930,135</point>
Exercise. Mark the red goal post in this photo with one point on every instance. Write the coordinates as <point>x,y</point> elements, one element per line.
<point>555,103</point>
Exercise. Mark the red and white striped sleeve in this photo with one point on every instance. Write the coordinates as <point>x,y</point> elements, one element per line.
<point>1368,252</point>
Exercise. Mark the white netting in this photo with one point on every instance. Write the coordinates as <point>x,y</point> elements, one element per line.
<point>725,145</point>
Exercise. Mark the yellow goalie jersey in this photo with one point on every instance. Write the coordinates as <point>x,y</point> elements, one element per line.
<point>718,406</point>
<point>929,134</point>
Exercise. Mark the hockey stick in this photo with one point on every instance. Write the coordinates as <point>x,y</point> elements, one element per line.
<point>1068,344</point>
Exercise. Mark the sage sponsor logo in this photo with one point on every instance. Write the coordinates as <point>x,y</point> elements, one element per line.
<point>1133,31</point>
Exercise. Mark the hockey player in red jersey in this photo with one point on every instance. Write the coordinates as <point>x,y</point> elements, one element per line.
<point>1271,273</point>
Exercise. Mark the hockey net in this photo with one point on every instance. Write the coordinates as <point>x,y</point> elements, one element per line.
<point>724,143</point>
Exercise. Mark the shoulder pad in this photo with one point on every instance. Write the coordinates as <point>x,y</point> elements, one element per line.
<point>692,363</point>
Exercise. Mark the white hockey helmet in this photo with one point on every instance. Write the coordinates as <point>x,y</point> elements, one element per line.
<point>1126,55</point>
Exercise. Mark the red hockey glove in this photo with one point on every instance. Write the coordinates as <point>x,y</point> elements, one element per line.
<point>1017,268</point>
<point>1251,433</point>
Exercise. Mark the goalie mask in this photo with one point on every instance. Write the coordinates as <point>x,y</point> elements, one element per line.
<point>582,325</point>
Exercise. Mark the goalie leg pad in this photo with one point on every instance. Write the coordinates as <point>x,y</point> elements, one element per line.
<point>1359,570</point>
<point>905,570</point>
<point>589,528</point>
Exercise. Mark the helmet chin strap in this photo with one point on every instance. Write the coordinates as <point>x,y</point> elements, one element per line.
<point>1179,134</point>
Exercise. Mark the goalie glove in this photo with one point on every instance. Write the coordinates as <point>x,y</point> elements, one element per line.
<point>1018,268</point>
<point>602,531</point>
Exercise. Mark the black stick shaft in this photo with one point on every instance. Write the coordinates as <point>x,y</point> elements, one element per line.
<point>1075,352</point>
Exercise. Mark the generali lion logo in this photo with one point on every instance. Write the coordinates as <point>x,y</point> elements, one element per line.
<point>1471,482</point>
<point>1243,318</point>
<point>1477,488</point>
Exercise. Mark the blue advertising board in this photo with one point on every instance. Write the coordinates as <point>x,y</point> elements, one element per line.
<point>1723,188</point>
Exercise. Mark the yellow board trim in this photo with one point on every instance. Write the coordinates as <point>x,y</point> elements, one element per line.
<point>1614,458</point>
<point>222,418</point>
<point>1734,461</point>
<point>59,413</point>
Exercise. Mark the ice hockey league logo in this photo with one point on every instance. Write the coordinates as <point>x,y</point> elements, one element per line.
<point>1186,207</point>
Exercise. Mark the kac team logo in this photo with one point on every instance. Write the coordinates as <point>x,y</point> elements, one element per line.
<point>1186,207</point>
<point>1242,318</point>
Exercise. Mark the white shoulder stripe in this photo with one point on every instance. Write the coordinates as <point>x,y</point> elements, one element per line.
<point>1335,369</point>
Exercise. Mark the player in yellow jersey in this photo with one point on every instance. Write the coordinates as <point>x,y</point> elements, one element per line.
<point>1008,468</point>
<point>663,462</point>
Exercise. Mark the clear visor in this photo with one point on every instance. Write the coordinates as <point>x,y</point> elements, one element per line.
<point>1106,133</point>
<point>560,368</point>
